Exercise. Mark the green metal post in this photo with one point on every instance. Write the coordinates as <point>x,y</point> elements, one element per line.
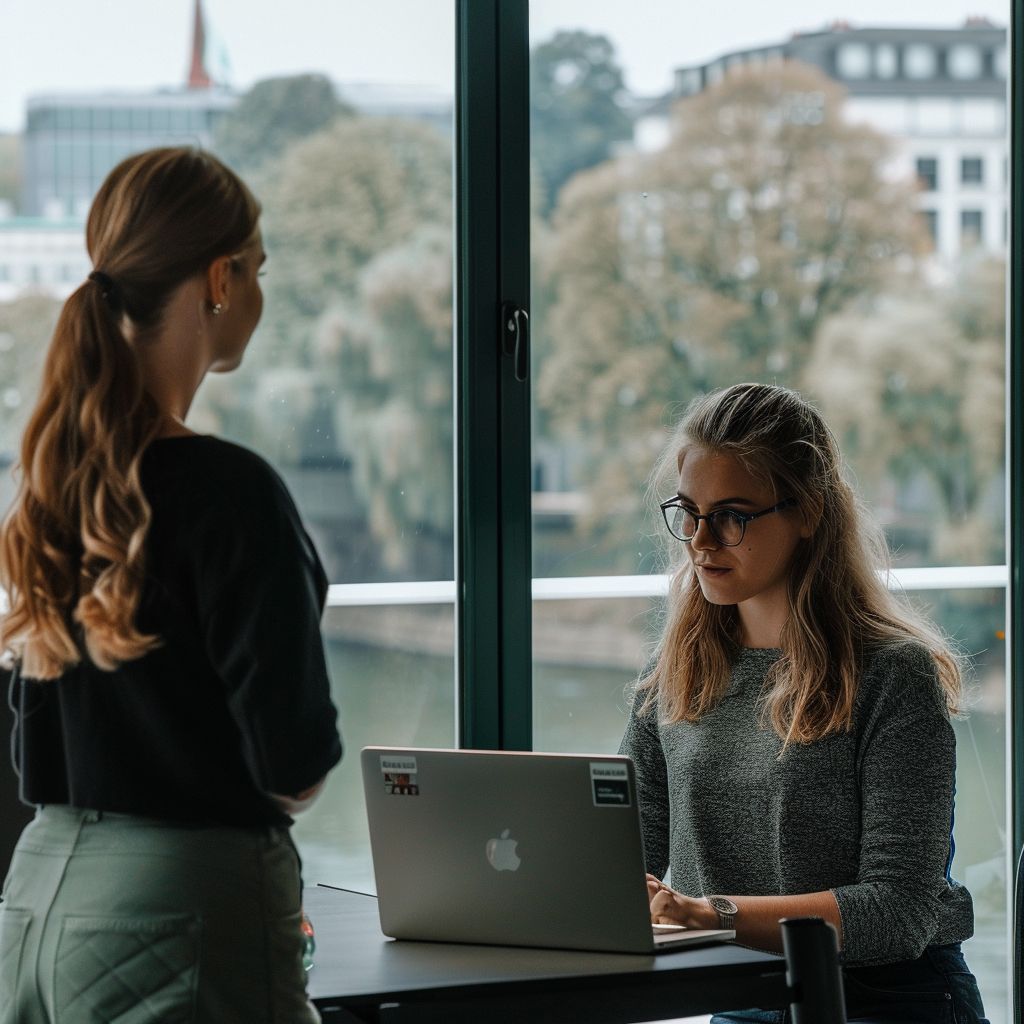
<point>493,565</point>
<point>1015,438</point>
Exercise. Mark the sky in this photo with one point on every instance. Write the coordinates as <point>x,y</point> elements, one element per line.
<point>71,45</point>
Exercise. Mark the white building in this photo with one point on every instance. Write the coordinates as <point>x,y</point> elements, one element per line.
<point>941,91</point>
<point>40,256</point>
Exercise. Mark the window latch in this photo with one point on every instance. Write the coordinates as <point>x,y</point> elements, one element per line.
<point>515,338</point>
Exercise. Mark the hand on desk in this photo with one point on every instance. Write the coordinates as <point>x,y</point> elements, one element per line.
<point>671,907</point>
<point>757,922</point>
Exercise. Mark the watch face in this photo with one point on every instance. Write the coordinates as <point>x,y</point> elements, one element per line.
<point>722,905</point>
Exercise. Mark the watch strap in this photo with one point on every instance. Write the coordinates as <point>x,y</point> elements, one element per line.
<point>726,911</point>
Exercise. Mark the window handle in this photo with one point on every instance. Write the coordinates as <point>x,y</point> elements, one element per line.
<point>515,338</point>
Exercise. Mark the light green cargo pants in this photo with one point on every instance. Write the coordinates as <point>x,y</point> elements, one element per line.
<point>109,917</point>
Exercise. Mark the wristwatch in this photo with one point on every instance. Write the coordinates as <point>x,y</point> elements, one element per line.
<point>726,910</point>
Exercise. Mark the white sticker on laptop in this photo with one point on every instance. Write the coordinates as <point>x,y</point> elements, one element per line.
<point>609,781</point>
<point>399,775</point>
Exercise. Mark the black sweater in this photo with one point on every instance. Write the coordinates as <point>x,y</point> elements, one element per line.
<point>235,702</point>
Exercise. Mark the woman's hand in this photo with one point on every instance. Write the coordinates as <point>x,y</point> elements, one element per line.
<point>671,907</point>
<point>293,805</point>
<point>757,919</point>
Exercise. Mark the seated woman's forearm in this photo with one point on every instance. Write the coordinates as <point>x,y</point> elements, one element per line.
<point>757,922</point>
<point>757,919</point>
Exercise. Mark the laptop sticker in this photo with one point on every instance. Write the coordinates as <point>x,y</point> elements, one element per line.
<point>610,783</point>
<point>399,775</point>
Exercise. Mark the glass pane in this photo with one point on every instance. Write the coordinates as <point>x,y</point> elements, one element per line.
<point>587,653</point>
<point>977,619</point>
<point>381,659</point>
<point>344,131</point>
<point>687,237</point>
<point>689,233</point>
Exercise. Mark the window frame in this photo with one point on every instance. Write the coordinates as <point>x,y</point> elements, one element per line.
<point>1015,449</point>
<point>493,563</point>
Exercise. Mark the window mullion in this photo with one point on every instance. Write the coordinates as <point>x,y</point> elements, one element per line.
<point>1015,431</point>
<point>494,650</point>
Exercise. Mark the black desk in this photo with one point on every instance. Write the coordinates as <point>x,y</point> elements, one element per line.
<point>359,975</point>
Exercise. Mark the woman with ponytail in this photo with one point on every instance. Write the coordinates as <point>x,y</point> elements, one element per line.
<point>163,606</point>
<point>793,750</point>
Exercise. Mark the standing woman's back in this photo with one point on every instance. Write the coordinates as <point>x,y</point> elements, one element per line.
<point>172,695</point>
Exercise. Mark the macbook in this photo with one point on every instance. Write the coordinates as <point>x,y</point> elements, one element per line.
<point>520,849</point>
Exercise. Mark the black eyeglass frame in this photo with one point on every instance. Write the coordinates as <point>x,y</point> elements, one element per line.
<point>743,517</point>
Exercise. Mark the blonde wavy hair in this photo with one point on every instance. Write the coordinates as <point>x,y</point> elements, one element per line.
<point>72,547</point>
<point>840,610</point>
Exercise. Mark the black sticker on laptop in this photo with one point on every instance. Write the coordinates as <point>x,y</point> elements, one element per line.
<point>399,775</point>
<point>609,781</point>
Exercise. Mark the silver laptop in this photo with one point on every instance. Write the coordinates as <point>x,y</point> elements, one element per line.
<point>513,849</point>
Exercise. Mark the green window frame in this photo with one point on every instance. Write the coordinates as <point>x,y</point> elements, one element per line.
<point>493,562</point>
<point>492,200</point>
<point>1015,439</point>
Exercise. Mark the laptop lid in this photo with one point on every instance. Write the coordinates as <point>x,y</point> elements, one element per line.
<point>510,848</point>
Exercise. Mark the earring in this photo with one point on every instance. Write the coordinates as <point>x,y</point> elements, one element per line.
<point>217,307</point>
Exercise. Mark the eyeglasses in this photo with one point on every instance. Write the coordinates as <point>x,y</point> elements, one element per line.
<point>727,526</point>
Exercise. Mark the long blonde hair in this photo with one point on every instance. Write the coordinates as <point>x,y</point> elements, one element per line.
<point>72,544</point>
<point>840,610</point>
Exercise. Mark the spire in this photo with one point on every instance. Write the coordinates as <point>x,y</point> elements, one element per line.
<point>198,76</point>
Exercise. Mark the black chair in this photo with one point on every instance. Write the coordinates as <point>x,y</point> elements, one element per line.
<point>812,971</point>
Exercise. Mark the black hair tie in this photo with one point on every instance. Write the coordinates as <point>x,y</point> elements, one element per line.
<point>106,282</point>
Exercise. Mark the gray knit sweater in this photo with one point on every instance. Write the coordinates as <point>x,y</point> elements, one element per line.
<point>866,814</point>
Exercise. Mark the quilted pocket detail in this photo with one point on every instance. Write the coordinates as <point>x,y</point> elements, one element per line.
<point>127,970</point>
<point>13,929</point>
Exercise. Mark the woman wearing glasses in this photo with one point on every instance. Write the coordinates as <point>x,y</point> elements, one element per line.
<point>792,743</point>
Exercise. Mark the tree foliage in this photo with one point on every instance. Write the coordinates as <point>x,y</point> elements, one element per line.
<point>388,355</point>
<point>715,260</point>
<point>274,114</point>
<point>576,92</point>
<point>352,362</point>
<point>913,384</point>
<point>332,203</point>
<point>26,327</point>
<point>10,169</point>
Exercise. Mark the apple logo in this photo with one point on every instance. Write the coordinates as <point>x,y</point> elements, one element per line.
<point>501,853</point>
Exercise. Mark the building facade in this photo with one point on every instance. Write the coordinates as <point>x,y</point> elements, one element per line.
<point>72,141</point>
<point>941,92</point>
<point>41,256</point>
